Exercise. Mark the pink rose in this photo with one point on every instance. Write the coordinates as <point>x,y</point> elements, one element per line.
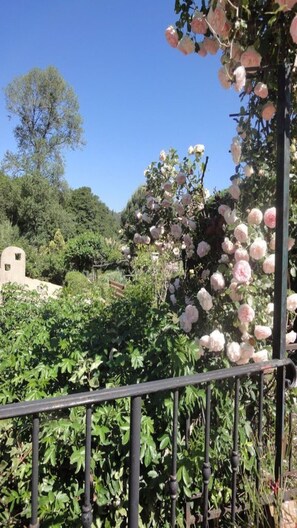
<point>241,254</point>
<point>171,36</point>
<point>205,299</point>
<point>230,216</point>
<point>167,186</point>
<point>192,313</point>
<point>198,23</point>
<point>291,337</point>
<point>216,19</point>
<point>166,203</point>
<point>291,242</point>
<point>268,111</point>
<point>186,45</point>
<point>245,313</point>
<point>292,302</point>
<point>250,58</point>
<point>185,323</point>
<point>269,264</point>
<point>289,4</point>
<point>217,281</point>
<point>203,249</point>
<point>240,78</point>
<point>228,246</point>
<point>233,351</point>
<point>137,239</point>
<point>216,341</point>
<point>176,231</point>
<point>187,199</point>
<point>155,232</point>
<point>248,171</point>
<point>180,178</point>
<point>236,150</point>
<point>235,51</point>
<point>246,350</point>
<point>255,217</point>
<point>204,341</point>
<point>260,356</point>
<point>262,332</point>
<point>242,271</point>
<point>270,217</point>
<point>293,29</point>
<point>234,191</point>
<point>210,45</point>
<point>261,90</point>
<point>224,78</point>
<point>241,233</point>
<point>223,208</point>
<point>258,249</point>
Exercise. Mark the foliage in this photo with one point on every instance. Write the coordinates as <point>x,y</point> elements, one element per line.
<point>48,122</point>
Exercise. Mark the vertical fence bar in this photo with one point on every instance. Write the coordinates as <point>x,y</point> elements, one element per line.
<point>234,455</point>
<point>281,255</point>
<point>260,438</point>
<point>206,470</point>
<point>35,472</point>
<point>135,422</point>
<point>173,486</point>
<point>87,515</point>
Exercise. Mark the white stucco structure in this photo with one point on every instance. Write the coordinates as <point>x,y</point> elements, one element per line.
<point>13,269</point>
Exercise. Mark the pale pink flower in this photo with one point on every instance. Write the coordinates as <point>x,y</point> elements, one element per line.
<point>241,254</point>
<point>216,19</point>
<point>261,90</point>
<point>242,272</point>
<point>167,186</point>
<point>138,215</point>
<point>198,23</point>
<point>137,239</point>
<point>291,337</point>
<point>268,111</point>
<point>217,281</point>
<point>240,78</point>
<point>241,233</point>
<point>166,203</point>
<point>258,249</point>
<point>172,299</point>
<point>188,241</point>
<point>270,217</point>
<point>235,51</point>
<point>171,36</point>
<point>146,240</point>
<point>269,264</point>
<point>155,232</point>
<point>236,150</point>
<point>187,199</point>
<point>185,323</point>
<point>205,274</point>
<point>262,332</point>
<point>230,217</point>
<point>216,341</point>
<point>192,224</point>
<point>233,351</point>
<point>192,313</point>
<point>255,217</point>
<point>203,249</point>
<point>250,58</point>
<point>205,299</point>
<point>248,171</point>
<point>186,45</point>
<point>246,350</point>
<point>291,242</point>
<point>223,208</point>
<point>204,341</point>
<point>202,51</point>
<point>233,292</point>
<point>293,29</point>
<point>210,45</point>
<point>180,178</point>
<point>224,78</point>
<point>260,356</point>
<point>224,259</point>
<point>289,4</point>
<point>242,361</point>
<point>228,246</point>
<point>292,302</point>
<point>176,231</point>
<point>234,190</point>
<point>246,313</point>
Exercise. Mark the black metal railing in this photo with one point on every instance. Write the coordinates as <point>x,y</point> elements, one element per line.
<point>136,393</point>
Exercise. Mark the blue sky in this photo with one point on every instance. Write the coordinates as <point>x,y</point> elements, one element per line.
<point>137,95</point>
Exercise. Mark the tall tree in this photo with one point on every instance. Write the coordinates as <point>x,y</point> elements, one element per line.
<point>48,121</point>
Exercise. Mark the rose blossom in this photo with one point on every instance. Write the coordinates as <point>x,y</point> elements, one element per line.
<point>216,341</point>
<point>167,186</point>
<point>176,231</point>
<point>216,19</point>
<point>217,281</point>
<point>205,299</point>
<point>210,45</point>
<point>224,78</point>
<point>255,217</point>
<point>241,233</point>
<point>204,341</point>
<point>250,58</point>
<point>203,249</point>
<point>293,29</point>
<point>198,23</point>
<point>155,232</point>
<point>180,178</point>
<point>262,332</point>
<point>228,246</point>
<point>248,171</point>
<point>137,239</point>
<point>292,302</point>
<point>268,111</point>
<point>236,150</point>
<point>186,45</point>
<point>241,254</point>
<point>146,240</point>
<point>224,259</point>
<point>171,36</point>
<point>233,293</point>
<point>270,217</point>
<point>242,271</point>
<point>262,355</point>
<point>185,323</point>
<point>233,351</point>
<point>289,4</point>
<point>234,190</point>
<point>261,90</point>
<point>291,337</point>
<point>230,217</point>
<point>240,78</point>
<point>223,208</point>
<point>246,313</point>
<point>258,249</point>
<point>186,199</point>
<point>269,264</point>
<point>192,313</point>
<point>246,350</point>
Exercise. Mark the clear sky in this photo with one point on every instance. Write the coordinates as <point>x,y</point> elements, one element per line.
<point>137,95</point>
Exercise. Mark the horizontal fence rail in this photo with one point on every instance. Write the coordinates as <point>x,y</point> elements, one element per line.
<point>136,393</point>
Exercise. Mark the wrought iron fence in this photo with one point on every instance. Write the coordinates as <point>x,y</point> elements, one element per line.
<point>136,393</point>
